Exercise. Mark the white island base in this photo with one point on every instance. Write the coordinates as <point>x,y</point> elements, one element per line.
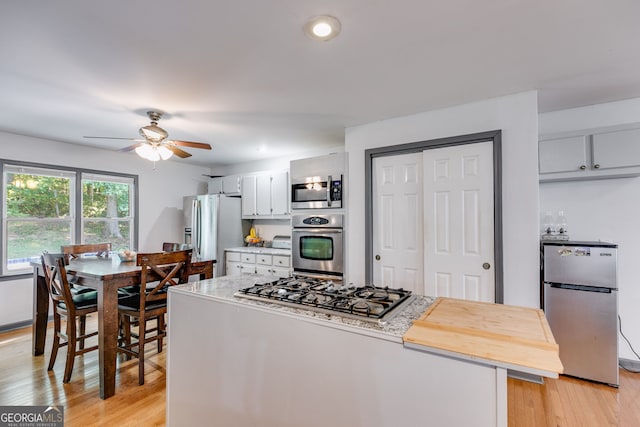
<point>234,364</point>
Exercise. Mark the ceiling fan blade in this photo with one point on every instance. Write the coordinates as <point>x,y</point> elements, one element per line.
<point>178,152</point>
<point>190,144</point>
<point>114,137</point>
<point>132,147</point>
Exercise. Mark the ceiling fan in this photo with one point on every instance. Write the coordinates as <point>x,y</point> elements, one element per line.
<point>155,145</point>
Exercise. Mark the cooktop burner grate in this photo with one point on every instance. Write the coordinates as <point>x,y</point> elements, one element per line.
<point>370,303</point>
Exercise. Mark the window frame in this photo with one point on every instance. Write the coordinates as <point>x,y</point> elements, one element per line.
<point>76,214</point>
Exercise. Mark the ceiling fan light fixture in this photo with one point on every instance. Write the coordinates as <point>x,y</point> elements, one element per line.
<point>164,152</point>
<point>322,27</point>
<point>148,152</point>
<point>154,152</point>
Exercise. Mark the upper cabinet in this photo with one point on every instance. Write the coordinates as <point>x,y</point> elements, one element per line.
<point>229,185</point>
<point>563,154</point>
<point>591,155</point>
<point>266,195</point>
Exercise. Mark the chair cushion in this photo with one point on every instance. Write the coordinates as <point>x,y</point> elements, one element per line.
<point>133,302</point>
<point>79,289</point>
<point>83,300</point>
<point>129,290</point>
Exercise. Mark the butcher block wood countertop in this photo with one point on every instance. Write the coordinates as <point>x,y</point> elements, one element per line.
<point>508,335</point>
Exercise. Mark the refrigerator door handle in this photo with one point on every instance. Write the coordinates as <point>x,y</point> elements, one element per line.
<point>195,221</point>
<point>583,288</point>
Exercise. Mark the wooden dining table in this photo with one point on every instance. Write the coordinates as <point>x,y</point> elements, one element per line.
<point>105,275</point>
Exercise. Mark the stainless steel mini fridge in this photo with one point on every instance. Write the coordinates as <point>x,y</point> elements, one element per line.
<point>581,304</point>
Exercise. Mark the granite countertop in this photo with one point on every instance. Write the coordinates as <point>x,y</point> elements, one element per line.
<point>223,288</point>
<point>260,250</point>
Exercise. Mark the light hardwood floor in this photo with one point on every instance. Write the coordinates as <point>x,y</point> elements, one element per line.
<point>24,380</point>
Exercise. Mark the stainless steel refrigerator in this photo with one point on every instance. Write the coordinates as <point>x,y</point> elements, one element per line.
<point>213,222</point>
<point>581,304</point>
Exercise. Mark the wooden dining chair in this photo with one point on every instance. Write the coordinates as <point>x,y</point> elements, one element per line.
<point>69,307</point>
<point>75,251</point>
<point>159,272</point>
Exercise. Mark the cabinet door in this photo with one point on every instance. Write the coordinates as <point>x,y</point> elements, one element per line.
<point>247,268</point>
<point>248,196</point>
<point>263,269</point>
<point>563,154</point>
<point>215,186</point>
<point>281,272</point>
<point>280,193</point>
<point>263,195</point>
<point>616,149</point>
<point>231,185</point>
<point>233,268</point>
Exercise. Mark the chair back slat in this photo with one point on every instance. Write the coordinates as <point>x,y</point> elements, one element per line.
<point>74,251</point>
<point>167,268</point>
<point>55,276</point>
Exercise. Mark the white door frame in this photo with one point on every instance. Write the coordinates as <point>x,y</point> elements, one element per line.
<point>494,136</point>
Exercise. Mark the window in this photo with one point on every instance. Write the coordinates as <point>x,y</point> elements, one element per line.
<point>106,210</point>
<point>42,205</point>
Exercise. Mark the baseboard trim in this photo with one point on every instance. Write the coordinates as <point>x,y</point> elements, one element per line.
<point>525,376</point>
<point>17,325</point>
<point>632,365</point>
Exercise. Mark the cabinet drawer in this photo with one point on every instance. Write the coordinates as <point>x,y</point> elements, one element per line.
<point>263,259</point>
<point>233,256</point>
<point>249,258</point>
<point>281,261</point>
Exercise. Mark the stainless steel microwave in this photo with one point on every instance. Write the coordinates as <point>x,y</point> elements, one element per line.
<point>318,182</point>
<point>317,193</point>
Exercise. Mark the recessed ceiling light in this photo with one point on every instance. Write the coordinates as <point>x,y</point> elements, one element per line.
<point>323,27</point>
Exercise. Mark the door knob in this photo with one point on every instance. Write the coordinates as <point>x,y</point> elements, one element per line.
<point>486,266</point>
<point>377,257</point>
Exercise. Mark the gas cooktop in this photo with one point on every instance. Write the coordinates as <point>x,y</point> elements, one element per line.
<point>369,303</point>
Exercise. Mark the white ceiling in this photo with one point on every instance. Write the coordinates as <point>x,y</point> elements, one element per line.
<point>241,74</point>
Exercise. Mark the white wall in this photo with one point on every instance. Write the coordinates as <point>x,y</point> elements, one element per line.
<point>603,209</point>
<point>517,117</point>
<point>160,195</point>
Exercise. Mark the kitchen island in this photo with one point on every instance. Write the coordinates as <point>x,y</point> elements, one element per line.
<point>240,362</point>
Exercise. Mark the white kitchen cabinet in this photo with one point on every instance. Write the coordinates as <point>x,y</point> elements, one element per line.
<point>229,185</point>
<point>238,263</point>
<point>232,185</point>
<point>619,149</point>
<point>266,195</point>
<point>611,153</point>
<point>563,154</point>
<point>281,266</point>
<point>263,195</point>
<point>232,263</point>
<point>215,185</point>
<point>280,193</point>
<point>242,262</point>
<point>249,196</point>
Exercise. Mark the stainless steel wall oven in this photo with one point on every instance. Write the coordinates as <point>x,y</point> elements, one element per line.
<point>317,245</point>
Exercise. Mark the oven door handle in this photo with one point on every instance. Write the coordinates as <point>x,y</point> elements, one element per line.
<point>329,181</point>
<point>318,230</point>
